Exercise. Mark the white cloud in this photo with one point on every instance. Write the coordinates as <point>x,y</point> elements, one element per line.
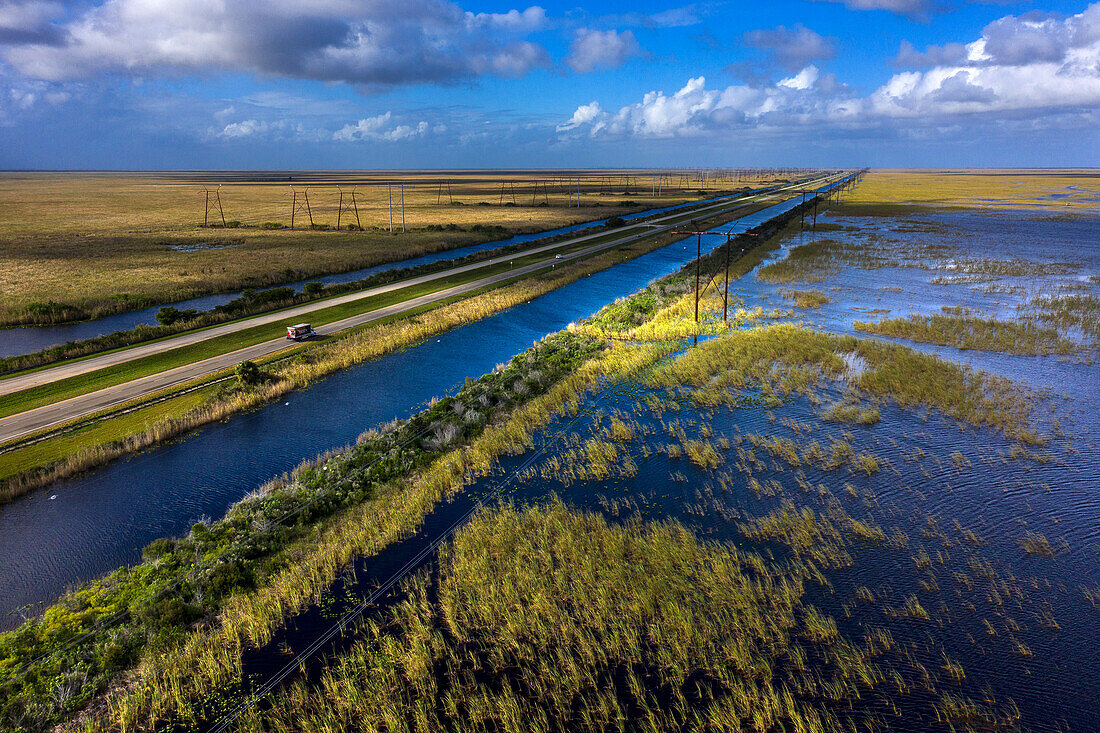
<point>592,49</point>
<point>531,19</point>
<point>379,43</point>
<point>244,128</point>
<point>380,129</point>
<point>1020,78</point>
<point>584,114</point>
<point>802,80</point>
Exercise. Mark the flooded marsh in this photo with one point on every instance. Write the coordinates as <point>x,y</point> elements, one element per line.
<point>791,524</point>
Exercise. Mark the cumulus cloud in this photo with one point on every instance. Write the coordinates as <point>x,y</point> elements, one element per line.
<point>375,43</point>
<point>1023,40</point>
<point>584,114</point>
<point>380,129</point>
<point>792,47</point>
<point>1021,78</point>
<point>592,49</point>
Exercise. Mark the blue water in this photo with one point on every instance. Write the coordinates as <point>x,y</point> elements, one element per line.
<point>83,527</point>
<point>17,341</point>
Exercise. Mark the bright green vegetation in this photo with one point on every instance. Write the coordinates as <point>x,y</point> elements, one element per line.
<point>785,359</point>
<point>543,619</point>
<point>972,332</point>
<point>25,460</point>
<point>806,298</point>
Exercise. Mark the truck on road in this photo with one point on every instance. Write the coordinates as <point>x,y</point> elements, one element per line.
<point>301,332</point>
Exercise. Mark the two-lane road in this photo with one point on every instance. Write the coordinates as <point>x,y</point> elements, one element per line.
<point>47,416</point>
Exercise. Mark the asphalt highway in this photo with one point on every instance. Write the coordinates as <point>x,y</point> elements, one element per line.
<point>30,421</point>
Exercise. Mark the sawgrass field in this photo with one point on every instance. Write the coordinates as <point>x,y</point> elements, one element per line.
<point>1056,190</point>
<point>82,245</point>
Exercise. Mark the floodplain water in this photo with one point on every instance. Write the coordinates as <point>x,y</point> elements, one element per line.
<point>954,503</point>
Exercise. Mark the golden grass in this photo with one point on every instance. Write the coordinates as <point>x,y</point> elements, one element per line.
<point>210,660</point>
<point>1024,338</point>
<point>806,298</point>
<point>982,189</point>
<point>784,359</point>
<point>546,620</point>
<point>104,242</point>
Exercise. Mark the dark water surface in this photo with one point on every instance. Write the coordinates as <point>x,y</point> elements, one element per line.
<point>1019,624</point>
<point>80,528</point>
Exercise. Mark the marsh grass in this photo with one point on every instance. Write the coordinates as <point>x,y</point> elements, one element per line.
<point>823,258</point>
<point>1077,312</point>
<point>394,509</point>
<point>372,494</point>
<point>784,359</point>
<point>544,619</point>
<point>117,242</point>
<point>894,193</point>
<point>847,412</point>
<point>806,298</point>
<point>1023,338</point>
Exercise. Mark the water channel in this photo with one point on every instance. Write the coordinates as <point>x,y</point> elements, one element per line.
<point>17,341</point>
<point>82,527</point>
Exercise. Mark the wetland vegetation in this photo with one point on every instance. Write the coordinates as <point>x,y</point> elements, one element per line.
<point>119,242</point>
<point>972,332</point>
<point>93,444</point>
<point>783,527</point>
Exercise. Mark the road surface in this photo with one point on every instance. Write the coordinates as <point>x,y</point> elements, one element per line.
<point>30,421</point>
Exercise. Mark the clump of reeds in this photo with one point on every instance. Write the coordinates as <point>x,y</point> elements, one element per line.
<point>545,619</point>
<point>1025,338</point>
<point>806,298</point>
<point>787,359</point>
<point>854,414</point>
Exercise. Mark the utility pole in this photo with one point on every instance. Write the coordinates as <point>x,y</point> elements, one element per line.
<point>389,190</point>
<point>295,207</point>
<point>698,263</point>
<point>353,206</point>
<point>402,208</point>
<point>698,256</point>
<point>217,202</point>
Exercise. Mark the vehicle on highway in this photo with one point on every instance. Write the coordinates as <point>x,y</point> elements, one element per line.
<point>301,332</point>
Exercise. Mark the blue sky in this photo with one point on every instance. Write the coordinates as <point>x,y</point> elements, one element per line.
<point>442,84</point>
